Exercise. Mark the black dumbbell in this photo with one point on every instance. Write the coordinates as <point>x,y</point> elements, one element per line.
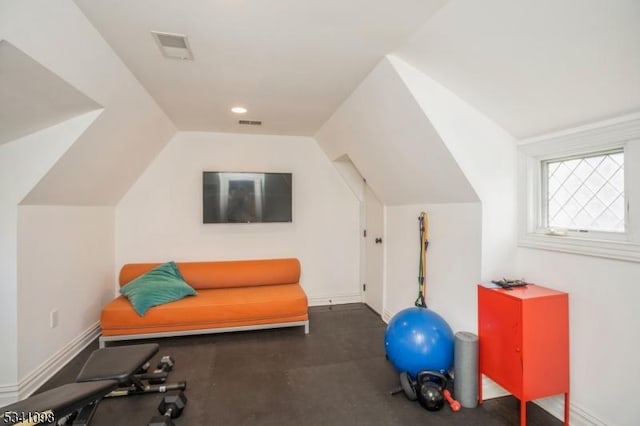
<point>166,364</point>
<point>170,407</point>
<point>159,375</point>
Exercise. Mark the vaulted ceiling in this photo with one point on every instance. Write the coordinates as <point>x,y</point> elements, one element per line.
<point>531,66</point>
<point>289,62</point>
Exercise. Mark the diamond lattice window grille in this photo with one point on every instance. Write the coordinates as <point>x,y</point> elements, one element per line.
<point>586,193</point>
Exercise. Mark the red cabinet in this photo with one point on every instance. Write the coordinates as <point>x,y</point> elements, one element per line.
<point>524,342</point>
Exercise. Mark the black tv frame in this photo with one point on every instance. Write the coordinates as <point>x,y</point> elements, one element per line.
<point>247,197</point>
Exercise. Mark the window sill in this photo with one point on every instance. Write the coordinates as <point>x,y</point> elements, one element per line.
<point>617,250</point>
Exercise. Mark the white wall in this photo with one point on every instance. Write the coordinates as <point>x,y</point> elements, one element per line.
<point>351,176</point>
<point>602,322</point>
<point>22,163</point>
<point>160,218</point>
<point>485,153</point>
<point>605,327</point>
<point>453,260</point>
<point>384,132</point>
<point>65,262</point>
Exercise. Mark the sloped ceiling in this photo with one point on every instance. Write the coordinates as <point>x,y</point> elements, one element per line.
<point>534,66</point>
<point>389,139</point>
<point>33,97</point>
<point>531,66</point>
<point>104,161</point>
<point>290,62</point>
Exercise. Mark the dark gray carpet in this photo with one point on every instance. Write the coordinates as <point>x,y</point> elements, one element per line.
<point>336,375</point>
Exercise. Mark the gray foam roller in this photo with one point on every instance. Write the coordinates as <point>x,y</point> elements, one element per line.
<point>465,384</point>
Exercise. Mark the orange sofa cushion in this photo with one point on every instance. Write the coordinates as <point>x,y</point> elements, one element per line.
<point>220,274</point>
<point>212,308</point>
<point>230,294</point>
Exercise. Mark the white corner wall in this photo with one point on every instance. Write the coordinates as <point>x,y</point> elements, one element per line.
<point>383,130</point>
<point>485,153</point>
<point>453,261</point>
<point>160,218</point>
<point>65,263</point>
<point>22,163</point>
<point>102,164</point>
<point>605,326</point>
<point>92,167</point>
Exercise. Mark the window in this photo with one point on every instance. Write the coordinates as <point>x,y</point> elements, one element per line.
<point>584,193</point>
<point>577,196</point>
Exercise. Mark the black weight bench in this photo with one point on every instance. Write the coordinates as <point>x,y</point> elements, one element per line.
<point>109,372</point>
<point>50,406</point>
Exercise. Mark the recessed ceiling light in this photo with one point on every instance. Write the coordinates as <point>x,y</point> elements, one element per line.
<point>239,110</point>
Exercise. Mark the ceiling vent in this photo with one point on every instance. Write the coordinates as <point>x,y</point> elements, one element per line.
<point>250,122</point>
<point>173,45</point>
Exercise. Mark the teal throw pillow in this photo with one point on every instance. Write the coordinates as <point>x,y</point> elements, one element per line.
<point>162,284</point>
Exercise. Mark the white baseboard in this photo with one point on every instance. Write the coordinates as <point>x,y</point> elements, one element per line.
<point>36,378</point>
<point>386,316</point>
<point>8,394</point>
<point>491,389</point>
<point>553,405</point>
<point>335,300</point>
<point>577,416</point>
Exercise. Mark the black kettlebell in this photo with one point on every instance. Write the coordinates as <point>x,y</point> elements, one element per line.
<point>430,386</point>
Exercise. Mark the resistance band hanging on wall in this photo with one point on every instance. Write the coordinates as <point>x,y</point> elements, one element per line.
<point>423,221</point>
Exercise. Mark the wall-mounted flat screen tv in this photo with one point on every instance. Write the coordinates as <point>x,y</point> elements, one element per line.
<point>244,197</point>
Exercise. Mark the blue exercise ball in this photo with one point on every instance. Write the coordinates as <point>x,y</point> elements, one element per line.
<point>419,339</point>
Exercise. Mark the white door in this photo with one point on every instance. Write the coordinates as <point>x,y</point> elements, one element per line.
<point>372,289</point>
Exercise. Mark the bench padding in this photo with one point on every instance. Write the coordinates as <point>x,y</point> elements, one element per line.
<point>62,400</point>
<point>117,363</point>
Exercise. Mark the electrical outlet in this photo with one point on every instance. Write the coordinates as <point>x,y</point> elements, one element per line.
<point>53,318</point>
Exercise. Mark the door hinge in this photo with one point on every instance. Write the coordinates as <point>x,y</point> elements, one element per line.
<point>364,233</point>
<point>364,287</point>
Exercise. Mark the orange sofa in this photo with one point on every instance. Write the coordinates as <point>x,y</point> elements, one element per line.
<point>232,296</point>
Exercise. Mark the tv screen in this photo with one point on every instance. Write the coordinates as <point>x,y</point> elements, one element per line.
<point>243,197</point>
